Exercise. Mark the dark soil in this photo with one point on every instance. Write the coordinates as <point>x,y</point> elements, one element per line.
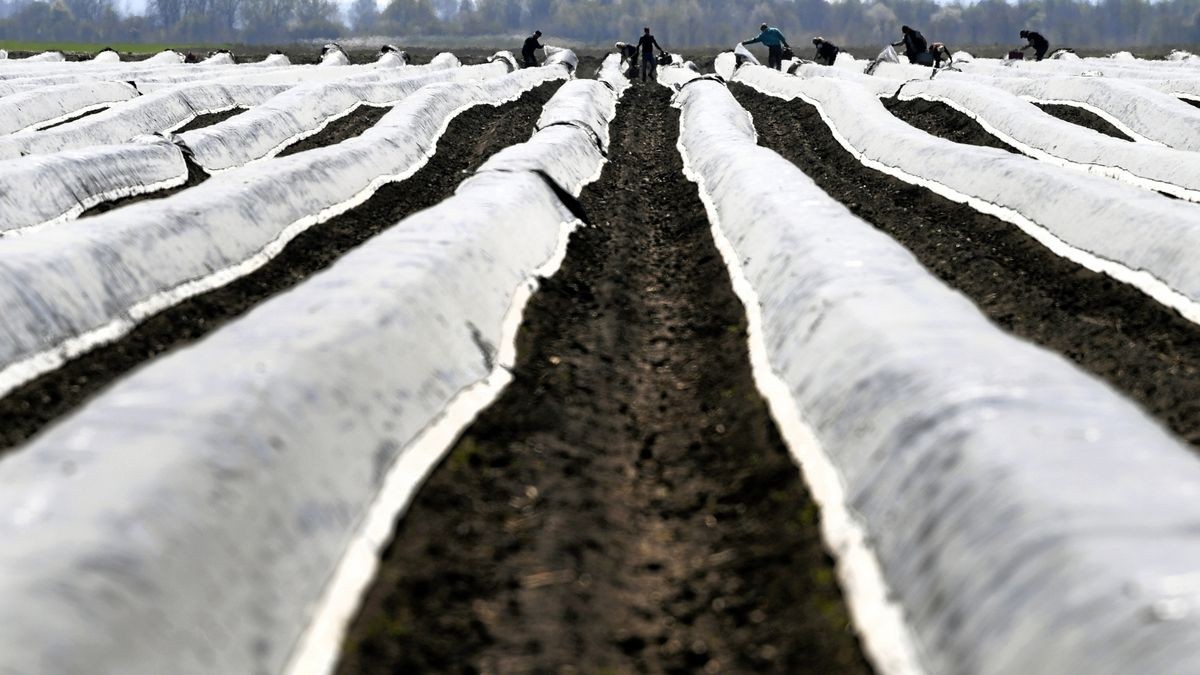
<point>627,504</point>
<point>1191,102</point>
<point>196,176</point>
<point>75,118</point>
<point>1140,347</point>
<point>209,119</point>
<point>364,117</point>
<point>1083,118</point>
<point>472,137</point>
<point>939,119</point>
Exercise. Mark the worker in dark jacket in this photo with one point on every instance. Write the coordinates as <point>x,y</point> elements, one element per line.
<point>531,45</point>
<point>1040,44</point>
<point>646,45</point>
<point>628,53</point>
<point>915,46</point>
<point>775,43</point>
<point>826,51</point>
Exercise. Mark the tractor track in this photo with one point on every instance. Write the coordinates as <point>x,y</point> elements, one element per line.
<point>1140,347</point>
<point>471,138</point>
<point>627,504</point>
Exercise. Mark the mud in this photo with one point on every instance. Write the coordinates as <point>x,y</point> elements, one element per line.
<point>472,137</point>
<point>364,117</point>
<point>209,119</point>
<point>196,176</point>
<point>939,119</point>
<point>627,504</point>
<point>1083,118</point>
<point>1112,330</point>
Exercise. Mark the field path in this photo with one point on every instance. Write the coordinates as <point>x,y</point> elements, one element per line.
<point>627,504</point>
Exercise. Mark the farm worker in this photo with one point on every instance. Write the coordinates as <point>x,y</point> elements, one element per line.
<point>940,53</point>
<point>531,45</point>
<point>826,51</point>
<point>915,46</point>
<point>647,44</point>
<point>628,53</point>
<point>1040,44</point>
<point>774,42</point>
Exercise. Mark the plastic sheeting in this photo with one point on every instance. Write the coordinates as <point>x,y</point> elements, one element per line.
<point>46,57</point>
<point>1137,236</point>
<point>221,501</point>
<point>107,56</point>
<point>304,110</point>
<point>1026,518</point>
<point>68,183</point>
<point>67,288</point>
<point>1044,136</point>
<point>152,113</point>
<point>165,56</point>
<point>44,107</point>
<point>1141,112</point>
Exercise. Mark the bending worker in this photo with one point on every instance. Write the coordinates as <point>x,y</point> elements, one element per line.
<point>1040,44</point>
<point>941,53</point>
<point>915,46</point>
<point>531,45</point>
<point>628,53</point>
<point>775,43</point>
<point>826,51</point>
<point>647,44</point>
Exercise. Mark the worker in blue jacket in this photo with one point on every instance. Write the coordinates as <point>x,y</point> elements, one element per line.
<point>775,44</point>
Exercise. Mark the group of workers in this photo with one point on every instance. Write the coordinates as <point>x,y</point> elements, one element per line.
<point>916,48</point>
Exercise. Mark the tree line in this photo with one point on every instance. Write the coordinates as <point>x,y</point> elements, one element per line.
<point>676,23</point>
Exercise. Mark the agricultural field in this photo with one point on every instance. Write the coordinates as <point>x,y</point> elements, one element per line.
<point>419,361</point>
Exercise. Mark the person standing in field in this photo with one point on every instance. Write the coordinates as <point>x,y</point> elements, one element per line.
<point>531,45</point>
<point>1039,43</point>
<point>915,46</point>
<point>826,51</point>
<point>646,45</point>
<point>775,43</point>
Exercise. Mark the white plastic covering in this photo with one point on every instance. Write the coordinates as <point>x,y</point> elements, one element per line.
<point>1024,126</point>
<point>44,107</point>
<point>67,288</point>
<point>228,519</point>
<point>45,57</point>
<point>962,57</point>
<point>1026,518</point>
<point>1136,236</point>
<point>152,113</point>
<point>3,54</point>
<point>304,110</point>
<point>276,60</point>
<point>560,56</point>
<point>221,57</point>
<point>1139,111</point>
<point>68,183</point>
<point>333,55</point>
<point>165,56</point>
<point>1122,56</point>
<point>107,56</point>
